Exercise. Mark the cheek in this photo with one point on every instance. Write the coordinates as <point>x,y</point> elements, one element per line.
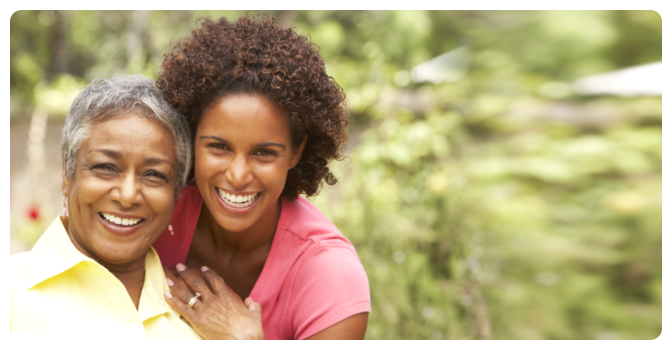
<point>162,204</point>
<point>207,165</point>
<point>85,193</point>
<point>273,176</point>
<point>161,201</point>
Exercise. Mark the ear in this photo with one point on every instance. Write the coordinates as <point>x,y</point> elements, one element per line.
<point>66,182</point>
<point>296,153</point>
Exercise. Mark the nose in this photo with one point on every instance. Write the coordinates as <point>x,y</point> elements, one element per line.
<point>127,192</point>
<point>238,174</point>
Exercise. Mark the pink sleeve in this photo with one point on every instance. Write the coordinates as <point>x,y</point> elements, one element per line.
<point>330,286</point>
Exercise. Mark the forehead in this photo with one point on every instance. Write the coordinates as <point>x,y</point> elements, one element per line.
<point>131,134</point>
<point>245,115</point>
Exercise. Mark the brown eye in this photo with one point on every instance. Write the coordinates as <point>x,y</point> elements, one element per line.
<point>104,167</point>
<point>218,146</point>
<point>156,174</point>
<point>265,153</point>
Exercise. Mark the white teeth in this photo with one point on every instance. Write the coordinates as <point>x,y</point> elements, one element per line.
<point>120,221</point>
<point>237,201</point>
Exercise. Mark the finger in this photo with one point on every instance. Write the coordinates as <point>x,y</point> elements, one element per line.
<point>253,306</point>
<point>194,280</point>
<point>174,279</point>
<point>219,286</point>
<point>184,296</point>
<point>216,282</point>
<point>181,308</point>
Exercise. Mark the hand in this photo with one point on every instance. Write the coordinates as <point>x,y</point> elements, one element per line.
<point>219,313</point>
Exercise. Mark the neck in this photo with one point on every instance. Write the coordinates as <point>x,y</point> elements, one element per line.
<point>258,236</point>
<point>130,274</point>
<point>132,279</point>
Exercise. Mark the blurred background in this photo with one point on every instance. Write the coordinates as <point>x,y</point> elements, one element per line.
<point>503,173</point>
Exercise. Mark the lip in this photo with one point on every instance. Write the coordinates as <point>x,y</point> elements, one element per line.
<point>120,230</point>
<point>234,209</point>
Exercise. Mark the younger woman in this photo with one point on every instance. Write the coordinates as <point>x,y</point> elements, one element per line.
<point>265,120</point>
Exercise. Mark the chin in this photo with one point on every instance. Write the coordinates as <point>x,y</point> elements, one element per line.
<point>235,228</point>
<point>234,224</point>
<point>121,255</point>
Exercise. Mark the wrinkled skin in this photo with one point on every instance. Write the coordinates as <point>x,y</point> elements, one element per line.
<point>219,313</point>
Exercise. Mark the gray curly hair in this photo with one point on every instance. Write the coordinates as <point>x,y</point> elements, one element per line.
<point>106,98</point>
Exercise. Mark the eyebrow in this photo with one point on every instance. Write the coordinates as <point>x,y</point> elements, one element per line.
<point>117,155</point>
<point>108,152</point>
<point>155,161</point>
<point>263,144</point>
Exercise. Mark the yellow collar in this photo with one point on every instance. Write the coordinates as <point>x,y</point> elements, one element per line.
<point>54,253</point>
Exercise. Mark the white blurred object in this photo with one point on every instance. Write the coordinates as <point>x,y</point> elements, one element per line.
<point>447,68</point>
<point>398,257</point>
<point>639,80</point>
<point>547,278</point>
<point>428,312</point>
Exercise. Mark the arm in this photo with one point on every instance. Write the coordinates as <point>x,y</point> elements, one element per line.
<point>331,298</point>
<point>352,328</point>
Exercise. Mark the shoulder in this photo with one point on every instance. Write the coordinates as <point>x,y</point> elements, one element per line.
<point>189,195</point>
<point>19,259</point>
<point>19,266</point>
<point>326,253</point>
<point>303,219</point>
<point>18,269</point>
<point>19,262</point>
<point>332,268</point>
<point>317,245</point>
<point>187,209</point>
<point>326,282</point>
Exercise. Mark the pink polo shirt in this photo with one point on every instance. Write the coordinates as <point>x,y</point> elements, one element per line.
<point>312,278</point>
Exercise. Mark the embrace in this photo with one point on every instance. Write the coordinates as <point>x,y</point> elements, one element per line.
<point>182,216</point>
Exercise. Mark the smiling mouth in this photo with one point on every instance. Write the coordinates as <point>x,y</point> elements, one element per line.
<point>120,221</point>
<point>237,201</point>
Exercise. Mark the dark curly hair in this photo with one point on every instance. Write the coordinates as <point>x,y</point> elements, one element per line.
<point>260,57</point>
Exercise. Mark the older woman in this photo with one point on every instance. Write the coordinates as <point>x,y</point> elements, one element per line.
<point>93,273</point>
<point>266,120</point>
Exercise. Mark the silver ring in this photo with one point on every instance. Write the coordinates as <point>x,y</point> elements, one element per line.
<point>193,300</point>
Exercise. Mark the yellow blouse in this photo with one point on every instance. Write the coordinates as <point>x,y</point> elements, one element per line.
<point>57,291</point>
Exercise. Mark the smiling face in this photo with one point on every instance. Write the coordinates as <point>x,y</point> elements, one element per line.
<point>122,194</point>
<point>242,155</point>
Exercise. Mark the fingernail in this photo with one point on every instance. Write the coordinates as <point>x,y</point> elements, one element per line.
<point>204,268</point>
<point>180,267</point>
<point>168,295</point>
<point>170,282</point>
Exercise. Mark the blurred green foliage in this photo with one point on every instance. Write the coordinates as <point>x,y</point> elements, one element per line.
<point>476,210</point>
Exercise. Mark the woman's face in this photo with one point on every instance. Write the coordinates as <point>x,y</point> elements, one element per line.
<point>122,194</point>
<point>242,154</point>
